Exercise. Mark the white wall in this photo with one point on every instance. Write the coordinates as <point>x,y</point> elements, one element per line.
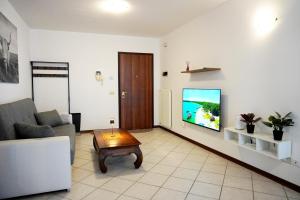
<point>259,74</point>
<point>86,54</point>
<point>8,91</point>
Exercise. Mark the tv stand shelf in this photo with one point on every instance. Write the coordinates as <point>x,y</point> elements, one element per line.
<point>259,142</point>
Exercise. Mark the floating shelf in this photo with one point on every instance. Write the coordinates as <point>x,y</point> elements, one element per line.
<point>204,69</point>
<point>262,143</point>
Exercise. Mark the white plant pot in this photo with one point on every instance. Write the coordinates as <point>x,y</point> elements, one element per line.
<point>239,125</point>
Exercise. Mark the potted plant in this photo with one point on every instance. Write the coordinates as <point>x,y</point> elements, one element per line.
<point>250,121</point>
<point>278,123</point>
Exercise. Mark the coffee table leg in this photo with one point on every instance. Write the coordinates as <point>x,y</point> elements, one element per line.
<point>139,158</point>
<point>102,166</point>
<point>94,143</point>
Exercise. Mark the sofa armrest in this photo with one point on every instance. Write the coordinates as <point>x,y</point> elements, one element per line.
<point>66,118</point>
<point>33,166</point>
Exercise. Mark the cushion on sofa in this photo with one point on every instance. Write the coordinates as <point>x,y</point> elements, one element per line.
<point>67,130</point>
<point>25,131</point>
<point>17,112</point>
<point>50,118</point>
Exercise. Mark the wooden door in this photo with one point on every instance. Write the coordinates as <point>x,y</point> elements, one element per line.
<point>135,90</point>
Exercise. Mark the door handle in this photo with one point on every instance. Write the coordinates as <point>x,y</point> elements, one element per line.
<point>123,94</point>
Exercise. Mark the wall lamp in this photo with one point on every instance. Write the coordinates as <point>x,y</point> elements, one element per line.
<point>98,75</point>
<point>264,21</point>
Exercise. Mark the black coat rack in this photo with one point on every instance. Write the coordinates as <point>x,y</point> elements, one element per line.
<point>56,67</point>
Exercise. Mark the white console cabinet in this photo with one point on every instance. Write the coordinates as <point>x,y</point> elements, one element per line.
<point>260,142</point>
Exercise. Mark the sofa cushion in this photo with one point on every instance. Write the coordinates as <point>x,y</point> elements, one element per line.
<point>67,130</point>
<point>25,131</point>
<point>50,118</point>
<point>17,112</point>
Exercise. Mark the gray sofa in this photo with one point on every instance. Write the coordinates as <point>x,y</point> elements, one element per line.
<point>23,112</point>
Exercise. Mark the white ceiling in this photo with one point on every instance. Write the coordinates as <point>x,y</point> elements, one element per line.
<point>146,18</point>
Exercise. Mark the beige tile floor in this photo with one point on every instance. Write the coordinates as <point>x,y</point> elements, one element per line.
<point>172,169</point>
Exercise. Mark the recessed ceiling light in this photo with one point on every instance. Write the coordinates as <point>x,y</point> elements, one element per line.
<point>115,6</point>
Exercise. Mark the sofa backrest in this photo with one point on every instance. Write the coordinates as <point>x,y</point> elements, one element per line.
<point>17,112</point>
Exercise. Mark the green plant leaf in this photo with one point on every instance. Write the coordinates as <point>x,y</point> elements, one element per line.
<point>278,115</point>
<point>268,124</point>
<point>287,115</point>
<point>279,123</point>
<point>271,118</point>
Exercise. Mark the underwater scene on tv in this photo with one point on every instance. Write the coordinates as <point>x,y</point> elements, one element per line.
<point>202,107</point>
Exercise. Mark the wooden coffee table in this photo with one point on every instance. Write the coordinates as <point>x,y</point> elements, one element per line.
<point>121,143</point>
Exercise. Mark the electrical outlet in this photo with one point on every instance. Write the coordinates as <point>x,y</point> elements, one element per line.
<point>111,93</point>
<point>294,162</point>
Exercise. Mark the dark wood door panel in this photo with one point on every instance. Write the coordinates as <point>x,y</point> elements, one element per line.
<point>149,92</point>
<point>135,93</point>
<point>125,87</point>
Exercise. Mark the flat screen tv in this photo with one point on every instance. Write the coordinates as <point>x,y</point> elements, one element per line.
<point>202,107</point>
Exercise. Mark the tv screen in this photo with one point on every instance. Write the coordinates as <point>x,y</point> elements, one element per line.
<point>202,107</point>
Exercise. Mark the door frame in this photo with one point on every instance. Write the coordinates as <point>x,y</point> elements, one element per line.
<point>119,83</point>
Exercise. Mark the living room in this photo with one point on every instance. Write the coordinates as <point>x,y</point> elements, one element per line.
<point>244,51</point>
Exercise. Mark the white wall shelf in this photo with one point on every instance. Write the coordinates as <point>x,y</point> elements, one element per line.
<point>260,142</point>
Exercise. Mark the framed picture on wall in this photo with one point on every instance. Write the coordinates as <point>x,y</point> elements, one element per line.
<point>9,72</point>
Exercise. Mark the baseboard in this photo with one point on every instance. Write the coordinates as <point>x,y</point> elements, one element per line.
<point>86,131</point>
<point>259,171</point>
<point>91,131</point>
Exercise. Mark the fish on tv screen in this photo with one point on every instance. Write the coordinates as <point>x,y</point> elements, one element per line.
<point>202,107</point>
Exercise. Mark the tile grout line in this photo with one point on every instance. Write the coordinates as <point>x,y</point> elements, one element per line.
<point>100,187</point>
<point>276,195</point>
<point>96,188</point>
<point>223,181</point>
<point>286,195</point>
<point>161,187</point>
<point>196,177</point>
<point>177,143</point>
<point>89,192</point>
<point>178,166</point>
<point>252,185</point>
<point>147,172</point>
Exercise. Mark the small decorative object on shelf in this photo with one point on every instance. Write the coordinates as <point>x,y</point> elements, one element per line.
<point>278,123</point>
<point>112,122</point>
<point>250,121</point>
<point>239,125</point>
<point>187,66</point>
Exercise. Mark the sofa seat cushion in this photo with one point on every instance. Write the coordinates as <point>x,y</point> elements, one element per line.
<point>67,130</point>
<point>50,118</point>
<point>26,131</point>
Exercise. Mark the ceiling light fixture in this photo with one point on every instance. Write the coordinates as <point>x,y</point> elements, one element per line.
<point>115,6</point>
